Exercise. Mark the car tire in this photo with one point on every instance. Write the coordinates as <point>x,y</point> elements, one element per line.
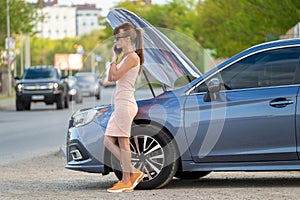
<point>144,139</point>
<point>97,96</point>
<point>59,102</point>
<point>19,105</point>
<point>191,175</point>
<point>66,101</point>
<point>27,105</point>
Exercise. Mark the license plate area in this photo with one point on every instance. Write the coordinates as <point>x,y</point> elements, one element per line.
<point>37,97</point>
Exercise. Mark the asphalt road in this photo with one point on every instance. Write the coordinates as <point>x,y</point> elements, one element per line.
<point>31,168</point>
<point>36,132</point>
<point>43,129</point>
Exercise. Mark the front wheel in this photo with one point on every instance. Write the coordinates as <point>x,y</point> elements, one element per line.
<point>154,153</point>
<point>66,101</point>
<point>19,105</point>
<point>60,102</point>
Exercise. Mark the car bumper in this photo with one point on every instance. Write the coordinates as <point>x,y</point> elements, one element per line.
<point>48,97</point>
<point>85,150</point>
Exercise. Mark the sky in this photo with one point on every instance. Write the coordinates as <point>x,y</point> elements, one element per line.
<point>104,4</point>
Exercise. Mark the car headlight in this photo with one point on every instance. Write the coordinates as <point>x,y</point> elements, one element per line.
<point>83,118</point>
<point>53,86</point>
<point>19,87</point>
<point>72,92</point>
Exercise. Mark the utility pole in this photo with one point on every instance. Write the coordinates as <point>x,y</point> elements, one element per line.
<point>27,52</point>
<point>8,47</point>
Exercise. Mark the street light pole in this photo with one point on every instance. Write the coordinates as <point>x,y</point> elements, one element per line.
<point>8,47</point>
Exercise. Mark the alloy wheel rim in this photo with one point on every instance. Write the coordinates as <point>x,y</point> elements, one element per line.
<point>147,155</point>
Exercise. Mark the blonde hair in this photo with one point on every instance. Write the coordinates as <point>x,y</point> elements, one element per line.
<point>136,36</point>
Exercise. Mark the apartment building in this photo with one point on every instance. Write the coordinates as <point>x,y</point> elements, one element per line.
<point>67,21</point>
<point>87,18</point>
<point>59,22</point>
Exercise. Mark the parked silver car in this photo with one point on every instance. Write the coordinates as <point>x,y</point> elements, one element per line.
<point>75,92</point>
<point>89,84</point>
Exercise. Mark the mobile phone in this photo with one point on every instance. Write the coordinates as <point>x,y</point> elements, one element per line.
<point>117,50</point>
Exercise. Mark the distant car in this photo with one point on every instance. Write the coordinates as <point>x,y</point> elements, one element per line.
<point>242,115</point>
<point>75,92</point>
<point>41,84</point>
<point>89,84</point>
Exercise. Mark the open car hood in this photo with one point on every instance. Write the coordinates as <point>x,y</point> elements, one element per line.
<point>163,60</point>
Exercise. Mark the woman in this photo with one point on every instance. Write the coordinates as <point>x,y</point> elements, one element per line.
<point>125,72</point>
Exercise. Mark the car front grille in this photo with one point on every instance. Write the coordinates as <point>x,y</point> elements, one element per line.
<point>37,87</point>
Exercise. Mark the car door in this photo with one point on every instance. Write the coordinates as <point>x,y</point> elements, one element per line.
<point>298,116</point>
<point>252,117</point>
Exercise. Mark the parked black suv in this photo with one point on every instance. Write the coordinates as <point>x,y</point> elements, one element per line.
<point>41,84</point>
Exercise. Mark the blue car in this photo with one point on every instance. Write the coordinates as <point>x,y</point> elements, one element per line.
<point>243,115</point>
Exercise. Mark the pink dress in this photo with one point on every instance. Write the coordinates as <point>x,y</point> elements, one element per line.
<point>125,107</point>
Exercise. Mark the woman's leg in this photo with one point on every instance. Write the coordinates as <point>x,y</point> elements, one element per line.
<point>110,144</point>
<point>125,155</point>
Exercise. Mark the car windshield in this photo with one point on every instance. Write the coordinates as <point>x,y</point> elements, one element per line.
<point>71,82</point>
<point>39,73</point>
<point>88,78</point>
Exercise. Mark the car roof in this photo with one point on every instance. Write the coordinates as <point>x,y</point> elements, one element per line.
<point>294,42</point>
<point>42,68</point>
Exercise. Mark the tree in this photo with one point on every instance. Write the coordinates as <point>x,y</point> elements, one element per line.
<point>173,19</point>
<point>230,26</point>
<point>23,17</point>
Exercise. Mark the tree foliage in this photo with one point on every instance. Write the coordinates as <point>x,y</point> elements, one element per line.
<point>224,26</point>
<point>23,17</point>
<point>173,19</point>
<point>229,26</point>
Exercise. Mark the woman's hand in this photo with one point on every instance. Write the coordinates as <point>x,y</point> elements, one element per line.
<point>114,54</point>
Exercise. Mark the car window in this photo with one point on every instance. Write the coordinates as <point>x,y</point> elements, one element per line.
<point>270,68</point>
<point>71,81</point>
<point>88,78</point>
<point>40,73</point>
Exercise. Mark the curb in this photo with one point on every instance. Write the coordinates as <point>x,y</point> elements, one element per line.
<point>62,151</point>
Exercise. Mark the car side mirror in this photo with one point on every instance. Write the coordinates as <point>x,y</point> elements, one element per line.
<point>213,86</point>
<point>17,78</point>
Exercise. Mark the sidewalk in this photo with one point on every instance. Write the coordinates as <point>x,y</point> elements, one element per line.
<point>7,103</point>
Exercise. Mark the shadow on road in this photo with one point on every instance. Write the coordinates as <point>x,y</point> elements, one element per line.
<point>237,182</point>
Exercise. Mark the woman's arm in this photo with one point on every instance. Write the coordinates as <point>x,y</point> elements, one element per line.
<point>130,62</point>
<point>110,78</point>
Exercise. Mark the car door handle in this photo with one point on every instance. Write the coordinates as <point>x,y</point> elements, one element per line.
<point>280,102</point>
